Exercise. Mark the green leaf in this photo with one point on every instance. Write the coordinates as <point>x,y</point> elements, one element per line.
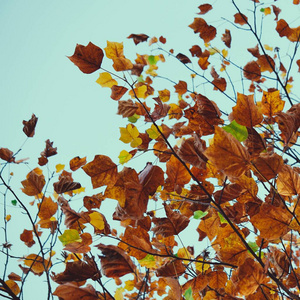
<point>199,214</point>
<point>140,79</point>
<point>222,219</point>
<point>133,118</point>
<point>262,9</point>
<point>14,202</point>
<point>152,59</point>
<point>253,246</point>
<point>148,261</point>
<point>238,131</point>
<point>69,236</point>
<point>188,294</point>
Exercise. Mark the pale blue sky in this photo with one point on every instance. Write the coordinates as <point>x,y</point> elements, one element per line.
<point>74,111</point>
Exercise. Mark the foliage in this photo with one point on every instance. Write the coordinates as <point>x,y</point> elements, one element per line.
<point>231,169</point>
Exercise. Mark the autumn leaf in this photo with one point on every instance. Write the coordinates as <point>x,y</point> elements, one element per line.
<point>114,261</point>
<point>284,29</point>
<point>47,208</point>
<point>207,32</point>
<point>240,19</point>
<point>138,38</point>
<point>77,162</point>
<point>226,38</point>
<point>34,182</point>
<point>181,87</point>
<point>27,238</point>
<point>288,181</point>
<point>37,264</point>
<point>173,268</point>
<point>7,155</point>
<point>130,134</point>
<point>117,92</point>
<point>29,126</point>
<point>183,58</point>
<point>252,71</point>
<point>227,154</point>
<point>65,185</point>
<point>49,149</point>
<point>71,291</point>
<point>204,8</point>
<point>105,80</point>
<point>271,103</point>
<point>87,58</point>
<point>245,112</point>
<point>102,171</point>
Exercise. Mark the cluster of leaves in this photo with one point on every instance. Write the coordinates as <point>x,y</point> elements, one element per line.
<point>253,239</point>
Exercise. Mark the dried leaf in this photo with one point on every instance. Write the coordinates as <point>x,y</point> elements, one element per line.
<point>207,32</point>
<point>77,162</point>
<point>204,8</point>
<point>240,19</point>
<point>29,126</point>
<point>117,92</point>
<point>87,58</point>
<point>7,155</point>
<point>34,182</point>
<point>226,38</point>
<point>71,291</point>
<point>138,38</point>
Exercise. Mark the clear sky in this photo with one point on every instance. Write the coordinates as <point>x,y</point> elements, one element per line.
<point>76,113</point>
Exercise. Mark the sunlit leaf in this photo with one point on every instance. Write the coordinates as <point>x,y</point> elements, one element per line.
<point>105,80</point>
<point>238,131</point>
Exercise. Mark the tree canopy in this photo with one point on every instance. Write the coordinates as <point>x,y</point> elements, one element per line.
<point>213,212</point>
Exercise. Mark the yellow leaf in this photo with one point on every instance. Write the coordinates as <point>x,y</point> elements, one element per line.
<point>267,11</point>
<point>7,218</point>
<point>201,267</point>
<point>59,168</point>
<point>13,286</point>
<point>267,47</point>
<point>140,92</point>
<point>224,53</point>
<point>129,285</point>
<point>213,51</point>
<point>148,261</point>
<point>124,157</point>
<point>119,293</point>
<point>105,80</point>
<point>130,135</point>
<point>289,87</point>
<point>164,95</point>
<point>114,50</point>
<point>97,220</point>
<point>69,236</point>
<point>153,132</point>
<point>78,191</point>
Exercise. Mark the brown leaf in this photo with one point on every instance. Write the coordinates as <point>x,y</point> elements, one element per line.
<point>204,8</point>
<point>177,174</point>
<point>227,154</point>
<point>183,58</point>
<point>122,64</point>
<point>284,29</point>
<point>78,271</point>
<point>173,224</point>
<point>298,63</point>
<point>34,182</point>
<point>207,32</point>
<point>115,262</point>
<point>267,165</point>
<point>252,71</point>
<point>245,112</point>
<point>27,238</point>
<point>77,162</point>
<point>93,202</point>
<point>191,151</point>
<point>71,291</point>
<point>127,108</point>
<point>162,151</point>
<point>29,126</point>
<point>272,222</point>
<point>162,40</point>
<point>71,216</point>
<point>181,87</point>
<point>288,181</point>
<point>196,51</point>
<point>240,19</point>
<point>276,11</point>
<point>254,143</point>
<point>271,103</point>
<point>102,170</point>
<point>49,150</point>
<point>82,246</point>
<point>138,38</point>
<point>173,268</point>
<point>226,38</point>
<point>135,239</point>
<point>219,84</point>
<point>217,279</point>
<point>228,193</point>
<point>7,155</point>
<point>47,208</point>
<point>87,58</point>
<point>42,161</point>
<point>117,92</point>
<point>266,63</point>
<point>65,185</point>
<point>254,51</point>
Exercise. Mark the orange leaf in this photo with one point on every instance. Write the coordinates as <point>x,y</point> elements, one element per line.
<point>227,154</point>
<point>254,143</point>
<point>271,103</point>
<point>173,268</point>
<point>245,112</point>
<point>47,208</point>
<point>288,181</point>
<point>240,19</point>
<point>285,30</point>
<point>87,58</point>
<point>115,262</point>
<point>29,126</point>
<point>114,50</point>
<point>77,162</point>
<point>34,182</point>
<point>71,291</point>
<point>162,151</point>
<point>37,263</point>
<point>207,32</point>
<point>137,238</point>
<point>248,277</point>
<point>177,174</point>
<point>272,222</point>
<point>252,71</point>
<point>117,92</point>
<point>27,238</point>
<point>181,87</point>
<point>93,201</point>
<point>122,64</point>
<point>217,279</point>
<point>102,170</point>
<point>204,8</point>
